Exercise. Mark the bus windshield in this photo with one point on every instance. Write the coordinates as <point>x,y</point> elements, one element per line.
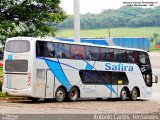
<point>18,46</point>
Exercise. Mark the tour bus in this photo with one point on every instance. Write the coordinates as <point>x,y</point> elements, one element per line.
<point>51,69</point>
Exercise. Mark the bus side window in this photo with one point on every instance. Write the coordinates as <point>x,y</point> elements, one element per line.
<point>119,55</point>
<point>49,50</point>
<point>40,48</point>
<point>107,54</point>
<point>142,58</point>
<point>93,53</point>
<point>136,56</point>
<point>130,56</point>
<point>77,52</point>
<point>62,50</point>
<point>37,49</point>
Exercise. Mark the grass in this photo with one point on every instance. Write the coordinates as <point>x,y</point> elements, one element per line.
<point>3,95</point>
<point>155,49</point>
<point>115,32</point>
<point>1,72</point>
<point>1,75</point>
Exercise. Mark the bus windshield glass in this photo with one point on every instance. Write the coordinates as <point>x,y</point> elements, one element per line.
<point>18,46</point>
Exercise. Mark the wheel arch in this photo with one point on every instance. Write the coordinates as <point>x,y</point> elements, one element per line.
<point>61,86</point>
<point>125,87</point>
<point>77,89</point>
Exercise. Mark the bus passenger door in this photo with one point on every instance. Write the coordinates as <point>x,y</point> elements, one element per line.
<point>40,84</point>
<point>50,80</point>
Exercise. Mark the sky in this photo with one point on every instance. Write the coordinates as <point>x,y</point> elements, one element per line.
<point>97,6</point>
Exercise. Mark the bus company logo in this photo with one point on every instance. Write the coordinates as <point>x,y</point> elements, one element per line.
<point>118,67</point>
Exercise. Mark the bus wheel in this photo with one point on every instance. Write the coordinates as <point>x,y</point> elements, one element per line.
<point>33,99</point>
<point>73,94</point>
<point>123,94</point>
<point>60,94</point>
<point>134,94</point>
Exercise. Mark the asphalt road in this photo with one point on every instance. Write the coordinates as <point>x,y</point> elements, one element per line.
<point>107,106</point>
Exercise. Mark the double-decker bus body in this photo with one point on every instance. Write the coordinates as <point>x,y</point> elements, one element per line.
<point>40,68</point>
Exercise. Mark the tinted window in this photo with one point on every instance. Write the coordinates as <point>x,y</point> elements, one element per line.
<point>62,50</point>
<point>130,56</point>
<point>18,46</point>
<point>16,65</point>
<point>92,53</point>
<point>148,79</point>
<point>77,52</point>
<point>40,48</point>
<point>119,55</point>
<point>136,56</point>
<point>107,54</point>
<point>49,49</point>
<point>103,77</point>
<point>143,58</point>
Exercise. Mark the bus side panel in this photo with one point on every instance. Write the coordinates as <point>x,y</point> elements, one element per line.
<point>50,82</point>
<point>136,80</point>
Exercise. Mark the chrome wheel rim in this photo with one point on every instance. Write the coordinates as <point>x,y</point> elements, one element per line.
<point>73,95</point>
<point>60,94</point>
<point>134,94</point>
<point>124,94</point>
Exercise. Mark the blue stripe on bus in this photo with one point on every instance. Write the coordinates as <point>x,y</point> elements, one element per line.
<point>59,73</point>
<point>10,57</point>
<point>89,67</point>
<point>66,82</point>
<point>9,80</point>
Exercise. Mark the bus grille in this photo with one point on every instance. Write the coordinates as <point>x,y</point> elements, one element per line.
<point>16,65</point>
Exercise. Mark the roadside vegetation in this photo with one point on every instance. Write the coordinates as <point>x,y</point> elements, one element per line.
<point>114,32</point>
<point>126,16</point>
<point>153,33</point>
<point>123,22</point>
<point>1,74</point>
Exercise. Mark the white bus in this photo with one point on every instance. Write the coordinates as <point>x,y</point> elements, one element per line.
<point>40,68</point>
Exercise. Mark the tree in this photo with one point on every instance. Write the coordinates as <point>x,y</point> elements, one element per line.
<point>29,18</point>
<point>125,16</point>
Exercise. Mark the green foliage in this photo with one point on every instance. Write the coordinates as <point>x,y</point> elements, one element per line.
<point>155,38</point>
<point>125,16</point>
<point>29,18</point>
<point>0,85</point>
<point>1,74</point>
<point>155,49</point>
<point>115,32</point>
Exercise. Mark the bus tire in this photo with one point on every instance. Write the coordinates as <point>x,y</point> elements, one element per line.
<point>134,94</point>
<point>123,94</point>
<point>60,94</point>
<point>73,94</point>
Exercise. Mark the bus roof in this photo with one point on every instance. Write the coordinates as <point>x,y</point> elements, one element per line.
<point>75,43</point>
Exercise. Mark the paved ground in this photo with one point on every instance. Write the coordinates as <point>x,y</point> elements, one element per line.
<point>151,105</point>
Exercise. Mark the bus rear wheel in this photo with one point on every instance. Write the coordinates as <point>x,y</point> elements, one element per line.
<point>60,94</point>
<point>73,94</point>
<point>134,94</point>
<point>124,94</point>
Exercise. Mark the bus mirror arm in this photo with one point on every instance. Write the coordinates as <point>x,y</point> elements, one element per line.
<point>155,78</point>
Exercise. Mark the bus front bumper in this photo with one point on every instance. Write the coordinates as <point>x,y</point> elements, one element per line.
<point>21,93</point>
